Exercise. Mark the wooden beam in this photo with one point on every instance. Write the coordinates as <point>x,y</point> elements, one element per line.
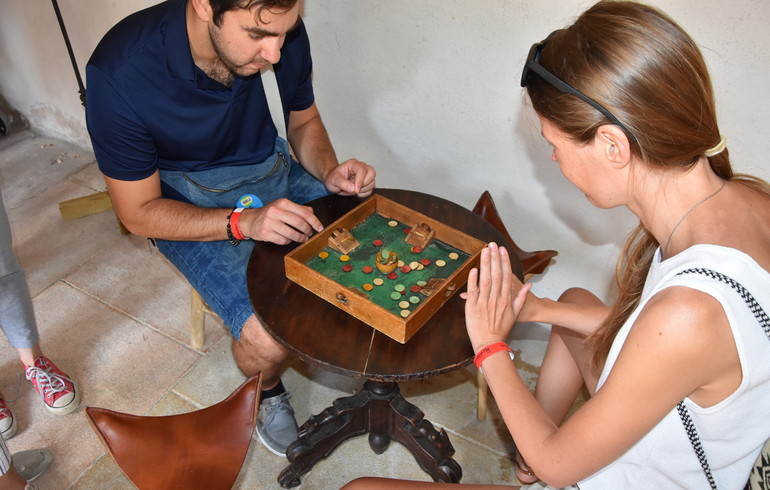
<point>85,206</point>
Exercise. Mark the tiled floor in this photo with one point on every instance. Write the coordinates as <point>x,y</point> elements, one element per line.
<point>115,316</point>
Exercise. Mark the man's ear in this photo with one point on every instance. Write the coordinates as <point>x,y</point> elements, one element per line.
<point>614,145</point>
<point>203,10</point>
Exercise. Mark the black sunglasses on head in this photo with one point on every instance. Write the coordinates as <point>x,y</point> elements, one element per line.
<point>533,65</point>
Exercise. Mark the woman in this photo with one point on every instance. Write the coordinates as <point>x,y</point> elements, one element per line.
<point>624,97</point>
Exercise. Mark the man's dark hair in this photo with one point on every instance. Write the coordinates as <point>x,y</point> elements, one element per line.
<point>219,7</point>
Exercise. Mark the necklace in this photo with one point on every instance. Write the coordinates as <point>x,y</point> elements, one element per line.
<point>689,212</point>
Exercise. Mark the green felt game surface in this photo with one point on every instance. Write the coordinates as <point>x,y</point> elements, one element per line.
<point>376,227</point>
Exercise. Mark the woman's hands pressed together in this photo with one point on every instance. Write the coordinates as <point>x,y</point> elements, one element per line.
<point>492,304</point>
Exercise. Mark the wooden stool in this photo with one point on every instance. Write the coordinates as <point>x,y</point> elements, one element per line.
<point>198,311</point>
<point>531,263</point>
<point>97,202</point>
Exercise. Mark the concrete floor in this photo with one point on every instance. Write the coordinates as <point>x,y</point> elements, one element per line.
<point>115,316</point>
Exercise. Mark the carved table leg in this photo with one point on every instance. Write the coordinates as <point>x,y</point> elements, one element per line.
<point>431,448</point>
<point>380,410</point>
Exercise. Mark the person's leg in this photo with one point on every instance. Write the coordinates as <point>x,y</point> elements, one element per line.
<point>256,351</point>
<point>566,368</point>
<point>371,483</point>
<point>9,478</point>
<point>29,354</point>
<point>17,319</point>
<point>217,270</point>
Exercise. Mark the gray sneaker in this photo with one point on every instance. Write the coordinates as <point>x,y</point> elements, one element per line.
<point>32,463</point>
<point>276,426</point>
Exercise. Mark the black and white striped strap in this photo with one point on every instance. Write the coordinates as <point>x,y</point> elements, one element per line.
<point>764,322</point>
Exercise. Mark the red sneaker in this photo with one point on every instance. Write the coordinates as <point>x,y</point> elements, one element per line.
<point>60,395</point>
<point>7,421</point>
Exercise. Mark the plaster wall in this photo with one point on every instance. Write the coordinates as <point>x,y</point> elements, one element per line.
<point>428,93</point>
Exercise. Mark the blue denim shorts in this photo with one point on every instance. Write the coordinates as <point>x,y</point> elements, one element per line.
<point>217,270</point>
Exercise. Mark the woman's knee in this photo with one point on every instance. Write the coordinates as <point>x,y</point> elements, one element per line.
<point>579,296</point>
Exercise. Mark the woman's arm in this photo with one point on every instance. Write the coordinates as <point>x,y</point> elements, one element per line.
<point>679,328</point>
<point>583,319</point>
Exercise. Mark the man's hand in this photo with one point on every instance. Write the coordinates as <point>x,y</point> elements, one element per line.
<point>311,143</point>
<point>351,178</point>
<point>281,222</point>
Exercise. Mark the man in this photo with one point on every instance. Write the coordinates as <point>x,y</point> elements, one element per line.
<point>181,129</point>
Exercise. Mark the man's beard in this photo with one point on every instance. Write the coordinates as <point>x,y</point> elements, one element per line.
<point>220,69</point>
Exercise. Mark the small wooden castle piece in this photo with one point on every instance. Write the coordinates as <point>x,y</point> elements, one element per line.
<point>343,241</point>
<point>420,236</point>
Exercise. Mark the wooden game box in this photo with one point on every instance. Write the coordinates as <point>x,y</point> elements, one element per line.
<point>358,302</point>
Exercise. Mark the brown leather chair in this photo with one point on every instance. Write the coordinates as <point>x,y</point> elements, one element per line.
<point>531,263</point>
<point>203,449</point>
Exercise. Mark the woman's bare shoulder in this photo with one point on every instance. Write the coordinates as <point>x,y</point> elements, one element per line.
<point>743,223</point>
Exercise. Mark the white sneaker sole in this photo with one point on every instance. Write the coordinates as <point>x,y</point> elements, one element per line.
<point>10,431</point>
<point>267,446</point>
<point>68,408</point>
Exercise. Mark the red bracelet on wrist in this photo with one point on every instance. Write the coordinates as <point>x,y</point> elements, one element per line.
<point>487,351</point>
<point>234,226</point>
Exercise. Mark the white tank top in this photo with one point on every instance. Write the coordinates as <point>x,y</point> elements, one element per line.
<point>731,432</point>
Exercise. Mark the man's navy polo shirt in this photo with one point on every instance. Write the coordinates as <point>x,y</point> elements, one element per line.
<point>149,107</point>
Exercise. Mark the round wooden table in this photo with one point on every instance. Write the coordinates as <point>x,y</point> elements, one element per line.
<point>325,336</point>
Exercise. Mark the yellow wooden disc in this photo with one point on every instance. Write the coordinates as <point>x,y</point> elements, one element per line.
<point>344,258</point>
<point>323,255</point>
<point>368,287</point>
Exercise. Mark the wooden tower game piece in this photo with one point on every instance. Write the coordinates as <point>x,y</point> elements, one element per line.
<point>343,241</point>
<point>420,236</point>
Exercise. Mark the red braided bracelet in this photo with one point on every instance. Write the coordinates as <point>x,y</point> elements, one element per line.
<point>487,351</point>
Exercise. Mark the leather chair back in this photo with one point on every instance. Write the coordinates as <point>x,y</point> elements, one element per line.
<point>204,449</point>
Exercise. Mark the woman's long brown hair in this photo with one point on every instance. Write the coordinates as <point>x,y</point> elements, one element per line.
<point>640,65</point>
